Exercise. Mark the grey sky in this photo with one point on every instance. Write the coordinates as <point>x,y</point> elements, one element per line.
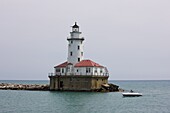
<point>130,37</point>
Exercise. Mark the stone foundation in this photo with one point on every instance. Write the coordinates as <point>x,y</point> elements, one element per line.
<point>77,83</point>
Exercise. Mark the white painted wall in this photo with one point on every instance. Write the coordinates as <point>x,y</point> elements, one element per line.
<point>82,71</point>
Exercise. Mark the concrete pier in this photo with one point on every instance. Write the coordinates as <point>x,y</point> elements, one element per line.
<point>11,86</point>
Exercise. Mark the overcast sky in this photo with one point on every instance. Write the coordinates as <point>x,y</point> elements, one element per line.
<point>130,37</point>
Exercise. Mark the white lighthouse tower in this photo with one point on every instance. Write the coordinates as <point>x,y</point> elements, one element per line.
<point>75,46</point>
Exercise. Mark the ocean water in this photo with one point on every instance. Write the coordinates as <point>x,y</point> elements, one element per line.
<point>155,99</point>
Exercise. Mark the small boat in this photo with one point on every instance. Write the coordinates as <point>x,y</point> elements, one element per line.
<point>131,94</point>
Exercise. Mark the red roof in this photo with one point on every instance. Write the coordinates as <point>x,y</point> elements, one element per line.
<point>62,65</point>
<point>83,63</point>
<point>87,63</point>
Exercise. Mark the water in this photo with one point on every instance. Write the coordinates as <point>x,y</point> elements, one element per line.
<point>155,99</point>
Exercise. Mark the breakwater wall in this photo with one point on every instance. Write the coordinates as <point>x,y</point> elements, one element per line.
<point>11,86</point>
<point>46,87</point>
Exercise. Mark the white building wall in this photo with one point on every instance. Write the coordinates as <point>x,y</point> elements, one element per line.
<point>82,71</point>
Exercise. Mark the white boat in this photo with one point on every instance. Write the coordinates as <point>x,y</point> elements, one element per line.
<point>131,94</point>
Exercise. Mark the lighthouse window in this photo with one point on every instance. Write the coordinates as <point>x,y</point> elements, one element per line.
<point>78,59</point>
<point>81,53</point>
<point>71,53</point>
<point>71,42</point>
<point>75,29</point>
<point>78,47</point>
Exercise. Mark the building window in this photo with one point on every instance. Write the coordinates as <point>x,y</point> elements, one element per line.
<point>78,47</point>
<point>75,29</point>
<point>62,70</point>
<point>71,53</point>
<point>101,71</point>
<point>87,70</point>
<point>71,42</point>
<point>95,70</point>
<point>81,53</point>
<point>57,70</point>
<point>77,70</point>
<point>78,59</point>
<point>68,69</point>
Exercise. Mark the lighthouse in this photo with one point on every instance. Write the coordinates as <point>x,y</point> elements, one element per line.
<point>77,73</point>
<point>75,45</point>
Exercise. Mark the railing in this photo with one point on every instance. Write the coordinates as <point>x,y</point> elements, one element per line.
<point>51,74</point>
<point>77,38</point>
<point>63,74</point>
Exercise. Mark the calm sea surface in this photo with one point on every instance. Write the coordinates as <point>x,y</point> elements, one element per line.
<point>155,99</point>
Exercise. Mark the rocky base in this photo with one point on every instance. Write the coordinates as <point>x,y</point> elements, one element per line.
<point>109,88</point>
<point>9,86</point>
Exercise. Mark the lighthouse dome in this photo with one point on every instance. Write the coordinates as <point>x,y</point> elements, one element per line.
<point>75,25</point>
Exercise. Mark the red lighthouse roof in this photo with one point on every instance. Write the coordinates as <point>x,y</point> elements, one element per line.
<point>62,65</point>
<point>83,63</point>
<point>87,63</point>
